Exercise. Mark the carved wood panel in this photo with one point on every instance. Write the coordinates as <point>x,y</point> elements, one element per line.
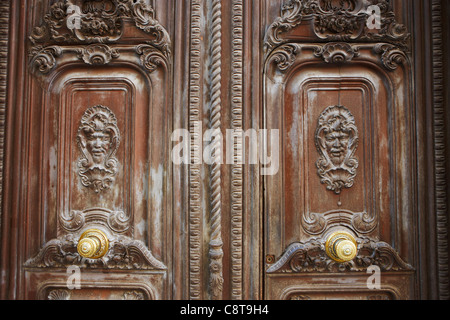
<point>102,83</point>
<point>99,86</point>
<point>341,97</point>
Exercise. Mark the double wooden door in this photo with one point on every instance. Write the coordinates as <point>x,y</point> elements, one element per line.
<point>209,149</point>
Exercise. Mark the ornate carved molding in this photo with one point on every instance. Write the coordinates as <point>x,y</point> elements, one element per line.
<point>116,221</point>
<point>336,141</point>
<point>440,152</point>
<point>284,56</point>
<point>337,52</point>
<point>340,24</point>
<point>133,295</point>
<point>44,58</point>
<point>91,28</point>
<point>310,257</point>
<point>316,223</point>
<point>98,139</point>
<point>98,54</point>
<point>237,196</point>
<point>195,170</point>
<point>391,55</point>
<point>124,254</point>
<point>345,21</point>
<point>59,294</point>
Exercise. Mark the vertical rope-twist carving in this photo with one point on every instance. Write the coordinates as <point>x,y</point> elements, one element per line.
<point>216,243</point>
<point>440,151</point>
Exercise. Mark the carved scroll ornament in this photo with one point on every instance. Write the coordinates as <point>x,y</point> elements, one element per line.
<point>336,141</point>
<point>340,30</point>
<point>124,254</point>
<point>310,257</point>
<point>98,139</point>
<point>89,28</point>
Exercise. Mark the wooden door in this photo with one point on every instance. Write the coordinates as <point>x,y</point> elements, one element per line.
<point>329,117</point>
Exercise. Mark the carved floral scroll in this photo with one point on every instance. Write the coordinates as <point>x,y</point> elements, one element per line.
<point>343,26</point>
<point>92,29</point>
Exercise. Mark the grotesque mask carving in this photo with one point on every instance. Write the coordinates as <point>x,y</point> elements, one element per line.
<point>98,139</point>
<point>336,142</point>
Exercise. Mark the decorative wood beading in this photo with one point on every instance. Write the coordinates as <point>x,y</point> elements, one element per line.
<point>440,151</point>
<point>4,36</point>
<point>195,175</point>
<point>336,141</point>
<point>237,196</point>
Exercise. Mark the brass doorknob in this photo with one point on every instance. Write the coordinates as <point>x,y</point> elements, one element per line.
<point>93,244</point>
<point>341,246</point>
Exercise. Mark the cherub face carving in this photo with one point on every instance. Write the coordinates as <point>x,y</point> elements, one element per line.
<point>98,139</point>
<point>336,142</point>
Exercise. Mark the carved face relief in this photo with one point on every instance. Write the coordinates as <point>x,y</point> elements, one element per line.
<point>336,142</point>
<point>98,139</point>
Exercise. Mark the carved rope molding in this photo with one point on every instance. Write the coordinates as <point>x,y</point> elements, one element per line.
<point>93,33</point>
<point>338,31</point>
<point>310,257</point>
<point>215,109</point>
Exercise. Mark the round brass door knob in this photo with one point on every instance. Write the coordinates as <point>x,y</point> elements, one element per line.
<point>341,246</point>
<point>93,244</point>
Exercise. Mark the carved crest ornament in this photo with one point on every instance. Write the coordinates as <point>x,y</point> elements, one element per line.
<point>90,28</point>
<point>341,30</point>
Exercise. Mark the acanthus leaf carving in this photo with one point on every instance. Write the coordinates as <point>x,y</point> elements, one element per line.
<point>391,56</point>
<point>44,59</point>
<point>150,57</point>
<point>116,221</point>
<point>284,56</point>
<point>124,254</point>
<point>345,23</point>
<point>98,54</point>
<point>86,27</point>
<point>311,257</point>
<point>336,52</point>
